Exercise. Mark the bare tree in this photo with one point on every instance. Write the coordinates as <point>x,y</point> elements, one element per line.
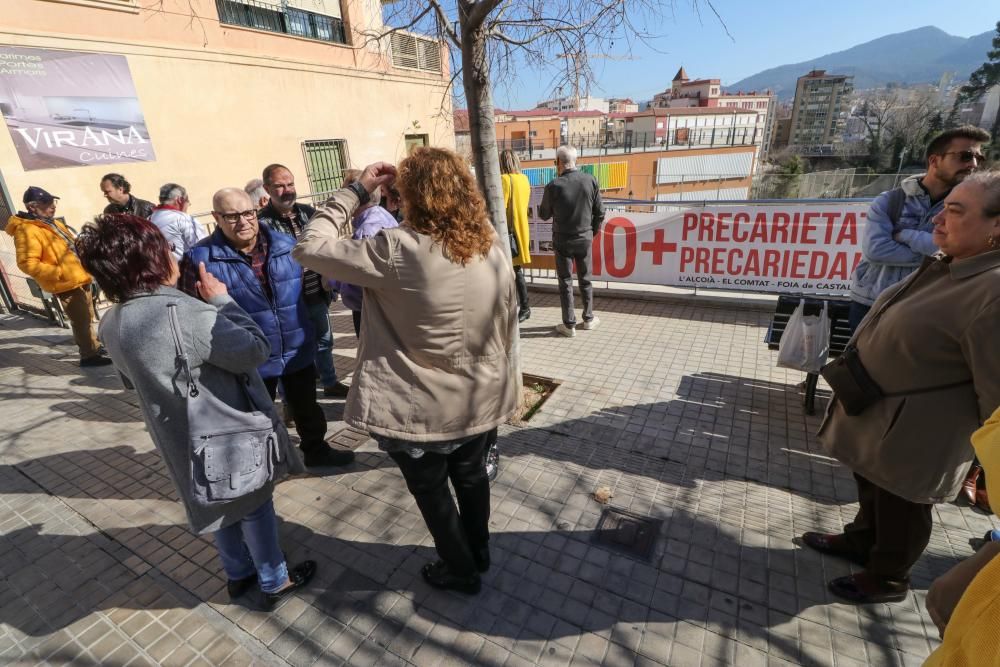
<point>895,121</point>
<point>876,114</point>
<point>492,39</point>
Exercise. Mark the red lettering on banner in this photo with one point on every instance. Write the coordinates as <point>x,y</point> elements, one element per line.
<point>849,229</point>
<point>658,246</point>
<point>734,270</point>
<point>738,219</point>
<point>722,229</point>
<point>779,224</point>
<point>609,247</point>
<point>839,268</point>
<point>771,263</point>
<point>752,267</point>
<point>718,261</point>
<point>808,227</point>
<point>701,260</point>
<point>705,231</point>
<point>690,224</point>
<point>759,232</point>
<point>857,260</point>
<point>817,265</point>
<point>831,217</point>
<point>687,256</point>
<point>798,264</point>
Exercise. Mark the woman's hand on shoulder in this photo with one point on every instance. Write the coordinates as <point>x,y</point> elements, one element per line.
<point>208,285</point>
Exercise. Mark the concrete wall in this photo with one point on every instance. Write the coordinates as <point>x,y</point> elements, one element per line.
<point>221,101</point>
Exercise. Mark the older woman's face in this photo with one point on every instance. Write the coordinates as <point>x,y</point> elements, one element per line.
<point>961,229</point>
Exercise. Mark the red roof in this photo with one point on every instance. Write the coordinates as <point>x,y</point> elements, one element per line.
<point>589,113</point>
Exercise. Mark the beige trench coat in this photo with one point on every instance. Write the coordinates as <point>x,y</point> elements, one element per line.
<point>434,358</point>
<point>939,327</point>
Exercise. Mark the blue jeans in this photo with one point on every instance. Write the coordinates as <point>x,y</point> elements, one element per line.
<point>251,544</point>
<point>319,315</point>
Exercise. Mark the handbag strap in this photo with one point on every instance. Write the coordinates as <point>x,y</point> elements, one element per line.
<point>182,358</point>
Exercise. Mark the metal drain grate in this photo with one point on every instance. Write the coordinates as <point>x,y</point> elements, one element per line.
<point>629,533</point>
<point>348,438</point>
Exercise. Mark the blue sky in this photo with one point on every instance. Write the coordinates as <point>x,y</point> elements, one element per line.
<point>764,34</point>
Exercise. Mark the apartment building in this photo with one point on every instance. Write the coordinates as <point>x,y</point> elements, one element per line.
<point>819,114</point>
<point>206,93</point>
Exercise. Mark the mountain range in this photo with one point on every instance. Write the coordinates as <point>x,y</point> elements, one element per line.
<point>921,55</point>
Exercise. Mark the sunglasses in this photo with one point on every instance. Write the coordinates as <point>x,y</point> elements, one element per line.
<point>967,156</point>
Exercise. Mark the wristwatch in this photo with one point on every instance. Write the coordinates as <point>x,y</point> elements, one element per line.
<point>360,191</point>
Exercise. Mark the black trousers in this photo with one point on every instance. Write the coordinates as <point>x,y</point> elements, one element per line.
<point>300,394</point>
<point>522,288</point>
<point>892,531</point>
<point>356,316</point>
<point>567,253</point>
<point>456,532</point>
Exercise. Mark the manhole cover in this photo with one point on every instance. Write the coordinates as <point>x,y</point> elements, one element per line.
<point>348,438</point>
<point>627,532</point>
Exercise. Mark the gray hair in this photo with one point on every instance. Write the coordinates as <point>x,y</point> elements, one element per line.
<point>567,156</point>
<point>172,192</point>
<point>989,181</point>
<point>255,188</point>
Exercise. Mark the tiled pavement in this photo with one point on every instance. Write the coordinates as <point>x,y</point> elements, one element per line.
<point>676,406</point>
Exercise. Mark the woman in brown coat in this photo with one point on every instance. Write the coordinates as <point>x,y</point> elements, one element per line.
<point>435,377</point>
<point>929,344</point>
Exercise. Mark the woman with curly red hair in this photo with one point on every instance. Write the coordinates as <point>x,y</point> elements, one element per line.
<point>435,376</point>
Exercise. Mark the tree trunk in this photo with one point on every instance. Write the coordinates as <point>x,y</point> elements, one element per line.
<point>485,154</point>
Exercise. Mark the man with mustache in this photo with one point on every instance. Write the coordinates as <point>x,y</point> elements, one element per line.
<point>284,214</point>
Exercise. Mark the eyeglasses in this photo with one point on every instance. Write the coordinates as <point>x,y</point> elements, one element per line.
<point>967,156</point>
<point>233,218</point>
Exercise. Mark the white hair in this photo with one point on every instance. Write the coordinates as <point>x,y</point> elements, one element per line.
<point>567,156</point>
<point>171,192</point>
<point>255,188</point>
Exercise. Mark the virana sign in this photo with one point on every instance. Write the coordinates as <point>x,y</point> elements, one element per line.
<point>68,109</point>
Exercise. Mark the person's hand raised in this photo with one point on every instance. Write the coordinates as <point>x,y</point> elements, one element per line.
<point>376,174</point>
<point>208,285</point>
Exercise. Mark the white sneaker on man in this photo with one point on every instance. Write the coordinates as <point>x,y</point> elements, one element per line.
<point>590,325</point>
<point>564,330</point>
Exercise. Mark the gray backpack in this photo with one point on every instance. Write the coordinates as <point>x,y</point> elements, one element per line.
<point>233,453</point>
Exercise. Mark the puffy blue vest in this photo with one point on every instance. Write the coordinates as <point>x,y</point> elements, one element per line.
<point>285,321</point>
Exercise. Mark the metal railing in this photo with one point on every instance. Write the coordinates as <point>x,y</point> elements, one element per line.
<point>280,19</point>
<point>617,142</point>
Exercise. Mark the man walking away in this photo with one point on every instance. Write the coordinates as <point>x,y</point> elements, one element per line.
<point>897,235</point>
<point>284,214</point>
<point>45,252</point>
<point>171,217</point>
<point>118,192</point>
<point>573,201</point>
<point>256,265</point>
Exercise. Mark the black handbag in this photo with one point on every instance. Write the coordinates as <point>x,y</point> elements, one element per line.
<point>855,388</point>
<point>851,383</point>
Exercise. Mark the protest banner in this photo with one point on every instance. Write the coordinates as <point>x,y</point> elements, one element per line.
<point>809,248</point>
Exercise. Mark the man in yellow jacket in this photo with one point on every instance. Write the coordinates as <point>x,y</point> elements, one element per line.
<point>45,252</point>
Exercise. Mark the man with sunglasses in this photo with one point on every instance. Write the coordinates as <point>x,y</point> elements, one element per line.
<point>897,234</point>
<point>256,265</point>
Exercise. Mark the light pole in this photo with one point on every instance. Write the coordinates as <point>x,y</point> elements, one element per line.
<point>899,168</point>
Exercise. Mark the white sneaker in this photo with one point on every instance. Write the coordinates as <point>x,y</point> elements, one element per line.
<point>592,324</point>
<point>564,330</point>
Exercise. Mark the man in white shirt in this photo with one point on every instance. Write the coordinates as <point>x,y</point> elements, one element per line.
<point>180,229</point>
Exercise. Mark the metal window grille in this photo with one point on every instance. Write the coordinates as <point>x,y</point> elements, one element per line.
<point>415,52</point>
<point>326,161</point>
<point>275,18</point>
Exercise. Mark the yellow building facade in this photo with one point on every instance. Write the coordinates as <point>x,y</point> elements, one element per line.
<point>226,87</point>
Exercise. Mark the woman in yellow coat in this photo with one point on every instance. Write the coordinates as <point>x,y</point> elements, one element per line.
<point>516,193</point>
<point>964,602</point>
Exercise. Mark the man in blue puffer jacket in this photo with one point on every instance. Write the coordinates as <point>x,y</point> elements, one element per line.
<point>256,265</point>
<point>897,236</point>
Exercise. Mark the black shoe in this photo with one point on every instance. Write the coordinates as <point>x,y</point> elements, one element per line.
<point>866,588</point>
<point>482,558</point>
<point>523,314</point>
<point>834,544</point>
<point>240,587</point>
<point>96,360</point>
<point>338,390</point>
<point>439,576</point>
<point>325,455</point>
<point>300,575</point>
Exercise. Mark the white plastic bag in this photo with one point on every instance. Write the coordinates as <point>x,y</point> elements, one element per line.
<point>805,342</point>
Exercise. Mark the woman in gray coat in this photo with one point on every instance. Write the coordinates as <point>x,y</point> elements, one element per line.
<point>929,345</point>
<point>132,263</point>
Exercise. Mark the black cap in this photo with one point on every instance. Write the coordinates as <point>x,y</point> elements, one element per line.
<point>36,194</point>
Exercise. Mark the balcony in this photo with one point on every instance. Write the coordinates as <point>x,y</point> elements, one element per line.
<point>285,20</point>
